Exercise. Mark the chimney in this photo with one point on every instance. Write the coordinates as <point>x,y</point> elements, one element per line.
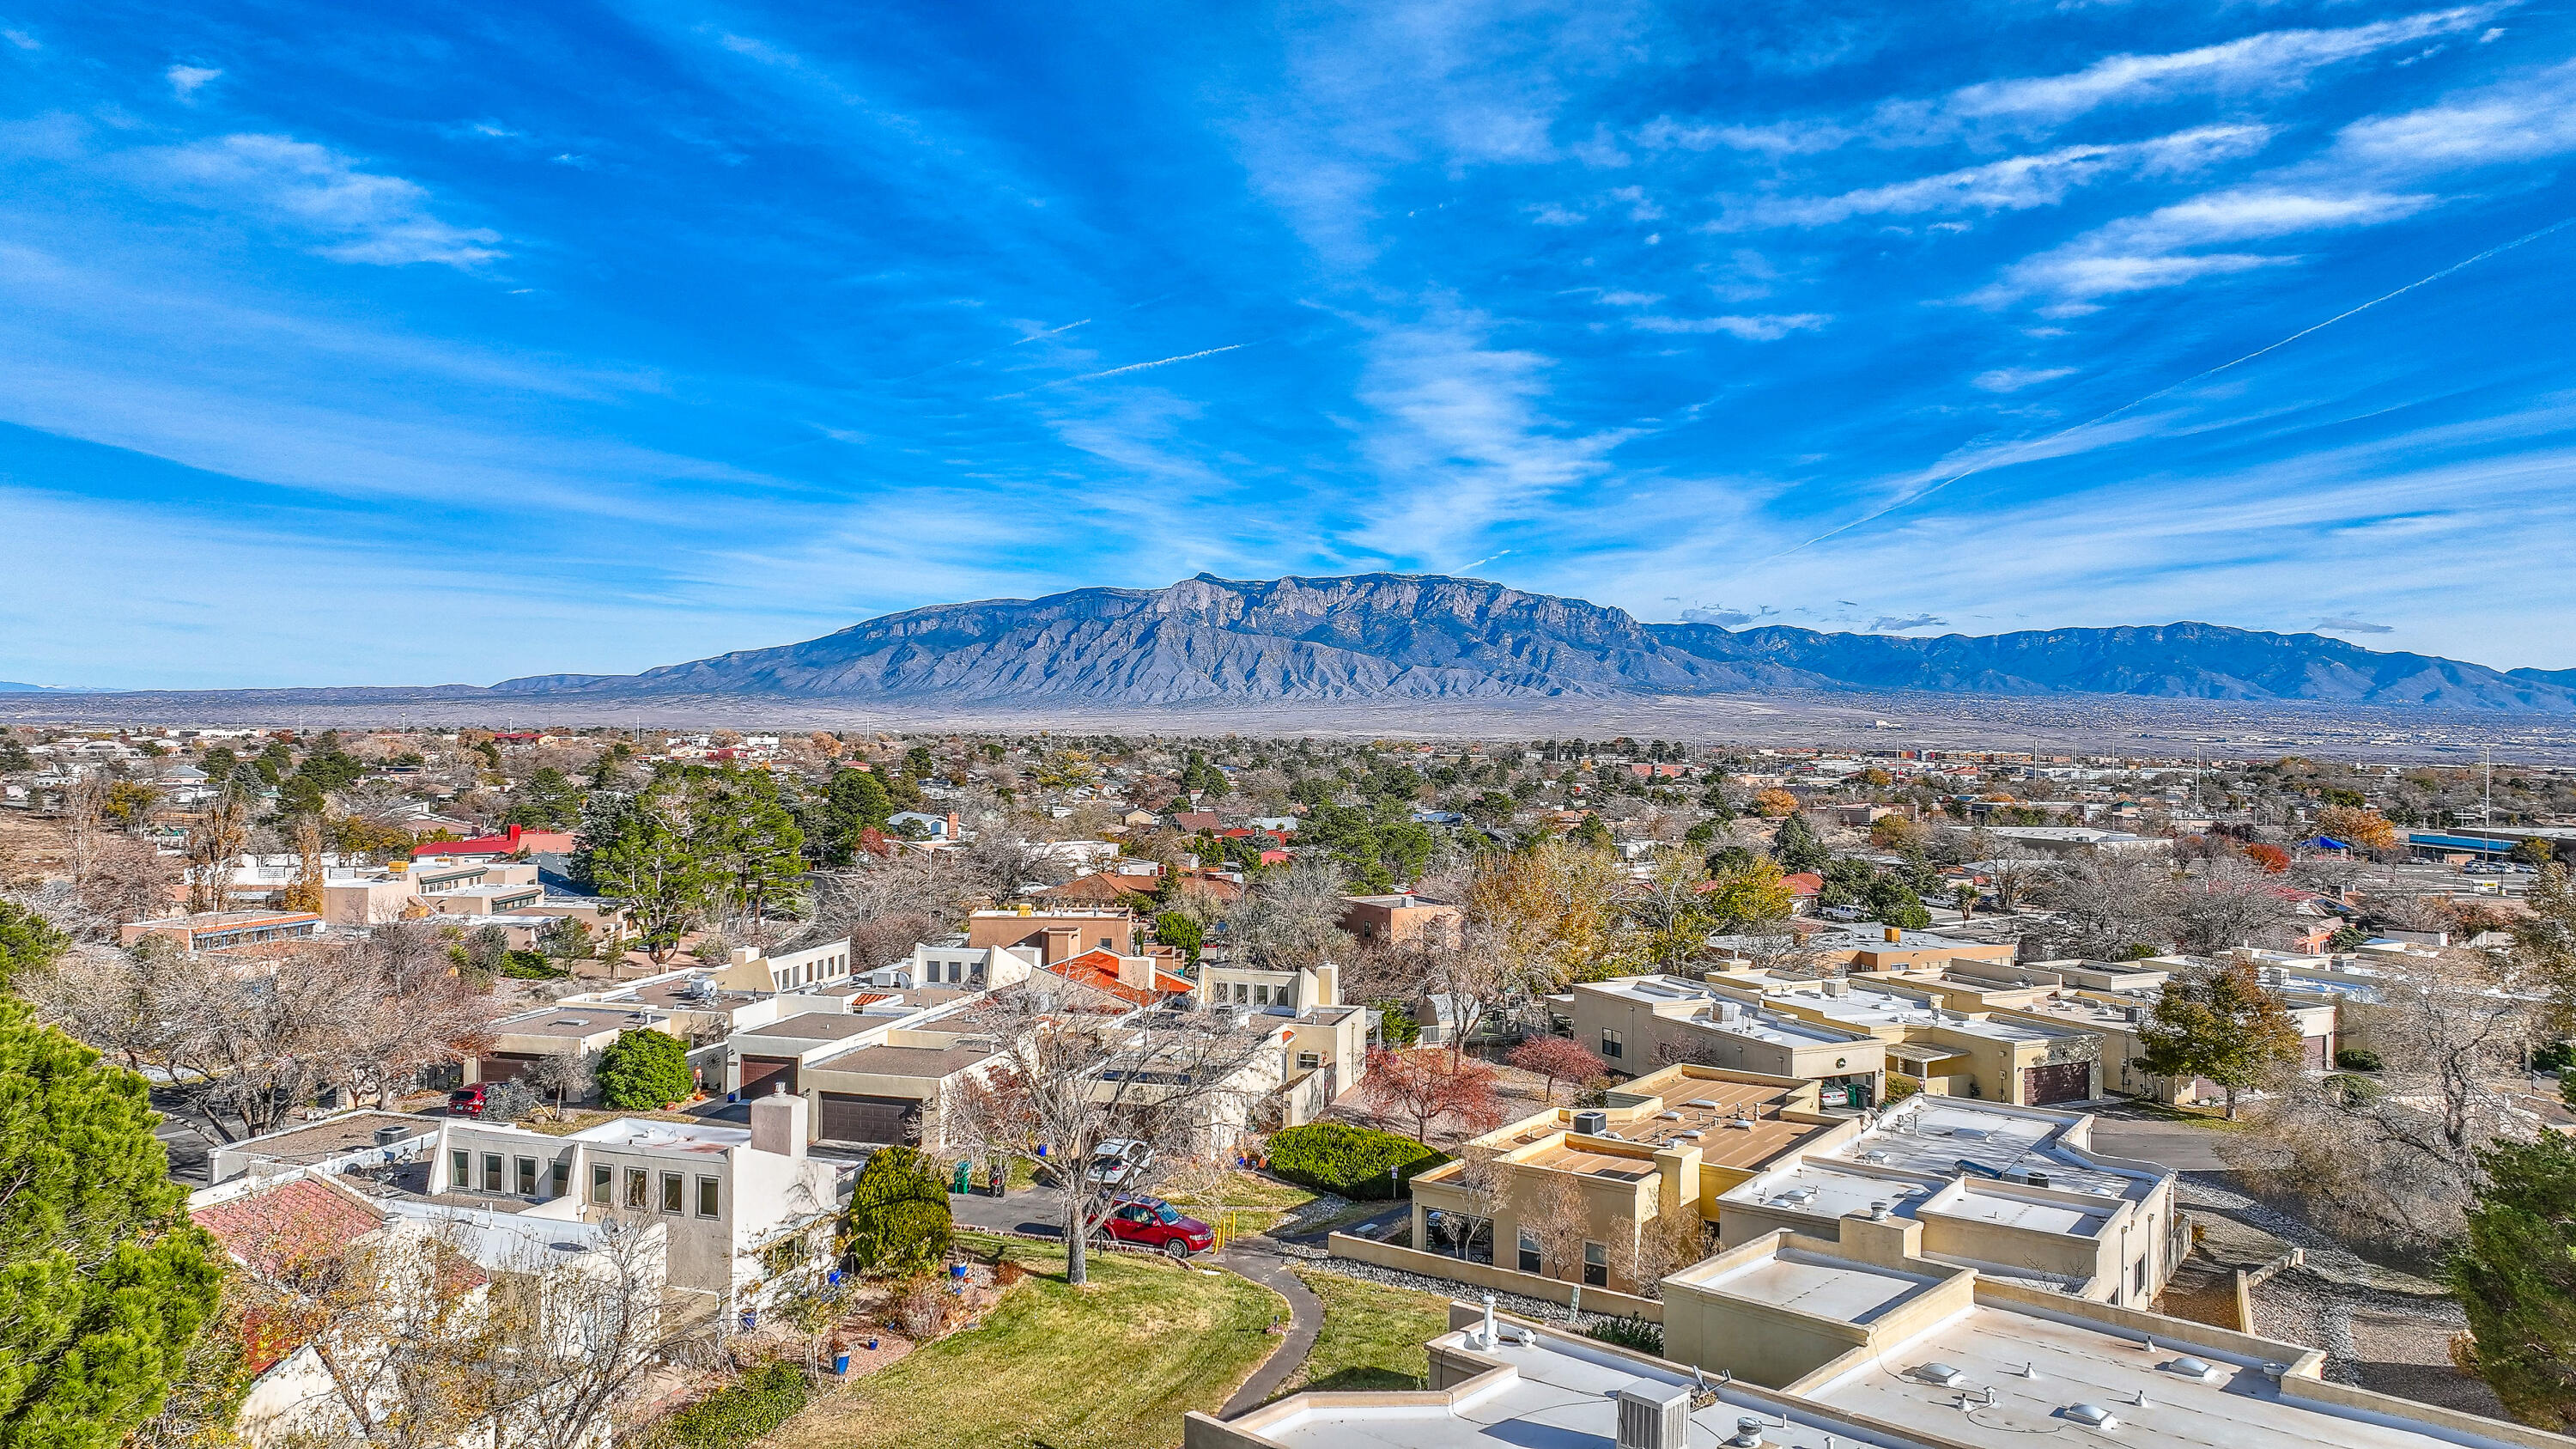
<point>1060,942</point>
<point>778,1122</point>
<point>514,837</point>
<point>745,955</point>
<point>952,827</point>
<point>1328,984</point>
<point>1136,971</point>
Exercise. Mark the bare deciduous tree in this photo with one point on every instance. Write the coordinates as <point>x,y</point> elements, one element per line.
<point>1179,1080</point>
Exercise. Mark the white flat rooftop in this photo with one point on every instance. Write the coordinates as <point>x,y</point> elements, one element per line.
<point>1986,1205</point>
<point>2069,1364</point>
<point>1829,1189</point>
<point>1933,1135</point>
<point>1823,1287</point>
<point>670,1136</point>
<point>1565,1399</point>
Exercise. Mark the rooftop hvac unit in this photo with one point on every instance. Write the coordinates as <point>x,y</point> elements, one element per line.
<point>1653,1416</point>
<point>389,1135</point>
<point>1591,1124</point>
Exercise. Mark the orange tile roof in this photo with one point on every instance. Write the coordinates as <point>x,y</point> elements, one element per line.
<point>1097,968</point>
<point>297,1222</point>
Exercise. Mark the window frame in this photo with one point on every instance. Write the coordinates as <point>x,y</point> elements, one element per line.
<point>1596,1265</point>
<point>710,1197</point>
<point>1532,1258</point>
<point>460,1169</point>
<point>639,1190</point>
<point>523,1176</point>
<point>1613,1045</point>
<point>675,1192</point>
<point>491,1172</point>
<point>603,1184</point>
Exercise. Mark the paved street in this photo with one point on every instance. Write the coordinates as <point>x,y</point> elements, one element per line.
<point>2182,1146</point>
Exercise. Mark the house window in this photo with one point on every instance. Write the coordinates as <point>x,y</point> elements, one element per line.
<point>559,1179</point>
<point>638,1188</point>
<point>1610,1046</point>
<point>527,1176</point>
<point>1530,1259</point>
<point>1242,993</point>
<point>602,1177</point>
<point>1596,1265</point>
<point>1306,1060</point>
<point>1261,995</point>
<point>707,1197</point>
<point>2141,1286</point>
<point>491,1172</point>
<point>460,1169</point>
<point>671,1192</point>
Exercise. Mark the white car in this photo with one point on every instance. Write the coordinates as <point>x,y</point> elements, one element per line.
<point>1119,1162</point>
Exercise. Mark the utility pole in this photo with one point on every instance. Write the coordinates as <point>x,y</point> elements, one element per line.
<point>2486,812</point>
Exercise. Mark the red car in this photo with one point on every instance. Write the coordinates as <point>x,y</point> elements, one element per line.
<point>1158,1224</point>
<point>466,1101</point>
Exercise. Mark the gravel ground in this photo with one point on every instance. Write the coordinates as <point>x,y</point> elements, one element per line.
<point>2381,1329</point>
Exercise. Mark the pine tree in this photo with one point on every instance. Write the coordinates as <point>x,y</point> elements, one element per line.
<point>104,1283</point>
<point>1797,846</point>
<point>2515,1274</point>
<point>28,943</point>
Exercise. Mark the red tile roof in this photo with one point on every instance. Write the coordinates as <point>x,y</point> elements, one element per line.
<point>299,1221</point>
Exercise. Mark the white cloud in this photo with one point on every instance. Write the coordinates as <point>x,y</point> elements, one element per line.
<point>2016,183</point>
<point>22,40</point>
<point>1750,329</point>
<point>2524,119</point>
<point>370,218</point>
<point>2145,253</point>
<point>2014,379</point>
<point>187,80</point>
<point>2277,58</point>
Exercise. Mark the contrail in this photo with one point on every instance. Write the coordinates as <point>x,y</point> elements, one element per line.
<point>1489,558</point>
<point>1159,362</point>
<point>1050,332</point>
<point>1118,371</point>
<point>2009,455</point>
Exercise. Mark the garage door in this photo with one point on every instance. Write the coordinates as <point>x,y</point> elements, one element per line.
<point>850,1117</point>
<point>764,1075</point>
<point>2064,1082</point>
<point>505,1066</point>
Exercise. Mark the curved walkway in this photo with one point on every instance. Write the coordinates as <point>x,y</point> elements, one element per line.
<point>1306,1319</point>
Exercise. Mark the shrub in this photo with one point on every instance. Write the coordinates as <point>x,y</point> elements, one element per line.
<point>644,1071</point>
<point>1352,1161</point>
<point>898,1222</point>
<point>2356,1059</point>
<point>1638,1334</point>
<point>922,1313</point>
<point>741,1412</point>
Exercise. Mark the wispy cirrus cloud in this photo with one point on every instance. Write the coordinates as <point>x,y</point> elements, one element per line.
<point>2014,379</point>
<point>356,215</point>
<point>2526,118</point>
<point>2146,253</point>
<point>187,80</point>
<point>1769,328</point>
<point>2017,183</point>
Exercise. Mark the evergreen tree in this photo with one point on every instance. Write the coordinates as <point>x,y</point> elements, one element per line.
<point>644,1071</point>
<point>1892,902</point>
<point>104,1283</point>
<point>1591,832</point>
<point>2515,1274</point>
<point>854,802</point>
<point>898,1222</point>
<point>1183,932</point>
<point>14,758</point>
<point>547,802</point>
<point>28,943</point>
<point>754,852</point>
<point>1797,846</point>
<point>653,865</point>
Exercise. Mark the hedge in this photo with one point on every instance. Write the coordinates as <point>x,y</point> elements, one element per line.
<point>1351,1161</point>
<point>740,1412</point>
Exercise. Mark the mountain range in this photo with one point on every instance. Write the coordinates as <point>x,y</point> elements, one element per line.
<point>1393,637</point>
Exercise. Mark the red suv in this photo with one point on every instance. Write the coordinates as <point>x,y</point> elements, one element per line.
<point>466,1101</point>
<point>1158,1224</point>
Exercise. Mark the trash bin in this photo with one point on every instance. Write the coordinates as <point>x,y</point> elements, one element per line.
<point>841,1362</point>
<point>965,1176</point>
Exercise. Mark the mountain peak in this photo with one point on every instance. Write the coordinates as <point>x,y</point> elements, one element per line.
<point>1433,636</point>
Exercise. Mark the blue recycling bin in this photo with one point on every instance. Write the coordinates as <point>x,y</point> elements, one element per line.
<point>841,1362</point>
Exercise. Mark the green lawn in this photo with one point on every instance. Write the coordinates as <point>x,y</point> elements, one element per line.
<point>1373,1334</point>
<point>1113,1365</point>
<point>1234,1203</point>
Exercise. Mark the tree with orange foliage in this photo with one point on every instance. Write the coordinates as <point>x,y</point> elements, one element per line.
<point>1775,803</point>
<point>2367,829</point>
<point>2272,858</point>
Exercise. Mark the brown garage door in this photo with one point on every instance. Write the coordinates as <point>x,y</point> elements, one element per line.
<point>764,1075</point>
<point>505,1067</point>
<point>2064,1082</point>
<point>850,1117</point>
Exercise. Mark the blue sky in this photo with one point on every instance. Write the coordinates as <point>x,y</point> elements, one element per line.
<point>347,345</point>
